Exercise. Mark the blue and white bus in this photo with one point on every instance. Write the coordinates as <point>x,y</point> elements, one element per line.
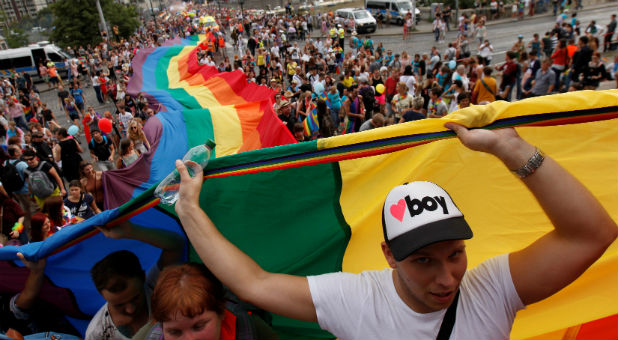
<point>28,59</point>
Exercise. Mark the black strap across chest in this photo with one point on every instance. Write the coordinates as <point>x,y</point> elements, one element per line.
<point>449,320</point>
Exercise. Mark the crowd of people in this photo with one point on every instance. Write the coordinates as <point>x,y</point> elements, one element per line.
<point>344,80</point>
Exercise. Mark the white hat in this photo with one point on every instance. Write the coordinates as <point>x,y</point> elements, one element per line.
<point>418,214</point>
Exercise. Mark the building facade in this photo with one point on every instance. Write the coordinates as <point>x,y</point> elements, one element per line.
<point>15,10</point>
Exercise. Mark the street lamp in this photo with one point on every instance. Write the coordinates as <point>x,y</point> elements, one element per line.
<point>154,18</point>
<point>103,25</point>
<point>241,2</point>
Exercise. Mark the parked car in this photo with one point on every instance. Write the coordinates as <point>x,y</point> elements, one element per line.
<point>364,22</point>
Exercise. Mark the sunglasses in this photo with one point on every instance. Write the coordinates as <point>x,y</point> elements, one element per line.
<point>28,159</point>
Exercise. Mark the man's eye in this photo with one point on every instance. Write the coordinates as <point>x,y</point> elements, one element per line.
<point>422,260</point>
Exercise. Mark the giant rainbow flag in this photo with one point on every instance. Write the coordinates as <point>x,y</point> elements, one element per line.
<point>197,103</point>
<point>314,207</point>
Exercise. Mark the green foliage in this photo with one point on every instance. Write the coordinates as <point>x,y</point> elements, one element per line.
<point>77,21</point>
<point>44,17</point>
<point>16,37</point>
<point>125,17</point>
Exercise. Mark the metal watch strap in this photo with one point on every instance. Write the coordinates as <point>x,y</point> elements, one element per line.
<point>533,163</point>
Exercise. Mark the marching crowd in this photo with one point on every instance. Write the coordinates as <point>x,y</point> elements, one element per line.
<point>340,79</point>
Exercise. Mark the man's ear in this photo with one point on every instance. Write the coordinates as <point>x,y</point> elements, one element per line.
<point>388,254</point>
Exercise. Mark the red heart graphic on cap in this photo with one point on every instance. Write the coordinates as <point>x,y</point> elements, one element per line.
<point>397,210</point>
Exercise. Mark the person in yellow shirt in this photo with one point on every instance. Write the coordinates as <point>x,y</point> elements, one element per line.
<point>333,34</point>
<point>291,67</point>
<point>485,88</point>
<point>261,59</point>
<point>348,80</point>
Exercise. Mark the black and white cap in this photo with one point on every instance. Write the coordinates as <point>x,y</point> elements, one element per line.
<point>418,214</point>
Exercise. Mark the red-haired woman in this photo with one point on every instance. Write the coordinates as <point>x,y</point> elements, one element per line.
<point>40,227</point>
<point>59,215</point>
<point>188,303</point>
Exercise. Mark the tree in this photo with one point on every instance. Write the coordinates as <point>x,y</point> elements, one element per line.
<point>77,21</point>
<point>44,17</point>
<point>16,37</point>
<point>125,17</point>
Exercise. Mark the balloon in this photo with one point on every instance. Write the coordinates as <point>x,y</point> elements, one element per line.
<point>318,88</point>
<point>73,129</point>
<point>105,125</point>
<point>380,88</point>
<point>452,64</point>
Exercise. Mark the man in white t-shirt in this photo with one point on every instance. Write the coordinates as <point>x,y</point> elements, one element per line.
<point>119,278</point>
<point>426,290</point>
<point>124,117</point>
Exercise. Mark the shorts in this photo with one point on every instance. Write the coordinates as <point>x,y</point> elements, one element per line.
<point>80,105</point>
<point>74,115</point>
<point>53,80</point>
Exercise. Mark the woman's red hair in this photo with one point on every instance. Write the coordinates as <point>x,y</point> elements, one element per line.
<point>36,226</point>
<point>190,289</point>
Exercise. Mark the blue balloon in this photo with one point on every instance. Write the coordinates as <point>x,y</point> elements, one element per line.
<point>73,129</point>
<point>318,88</point>
<point>452,64</point>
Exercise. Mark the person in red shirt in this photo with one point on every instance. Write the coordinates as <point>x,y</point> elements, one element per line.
<point>391,86</point>
<point>560,61</point>
<point>509,73</point>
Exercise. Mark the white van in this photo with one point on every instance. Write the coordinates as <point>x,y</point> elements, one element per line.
<point>363,20</point>
<point>28,59</point>
<point>396,8</point>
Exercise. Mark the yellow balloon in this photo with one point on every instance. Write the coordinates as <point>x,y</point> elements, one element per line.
<point>380,88</point>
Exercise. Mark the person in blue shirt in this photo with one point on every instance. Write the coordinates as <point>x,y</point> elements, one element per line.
<point>388,58</point>
<point>358,43</point>
<point>78,94</point>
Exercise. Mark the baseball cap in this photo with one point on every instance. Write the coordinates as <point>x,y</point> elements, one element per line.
<point>418,214</point>
<point>521,36</point>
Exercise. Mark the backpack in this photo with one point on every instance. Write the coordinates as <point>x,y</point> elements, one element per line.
<point>92,141</point>
<point>11,180</point>
<point>39,182</point>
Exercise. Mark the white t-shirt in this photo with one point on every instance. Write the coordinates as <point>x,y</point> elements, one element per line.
<point>124,118</point>
<point>464,80</point>
<point>411,82</point>
<point>102,327</point>
<point>367,306</point>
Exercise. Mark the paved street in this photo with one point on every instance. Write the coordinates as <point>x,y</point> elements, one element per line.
<point>501,33</point>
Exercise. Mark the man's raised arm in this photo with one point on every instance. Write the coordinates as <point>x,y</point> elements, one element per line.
<point>583,230</point>
<point>283,294</point>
